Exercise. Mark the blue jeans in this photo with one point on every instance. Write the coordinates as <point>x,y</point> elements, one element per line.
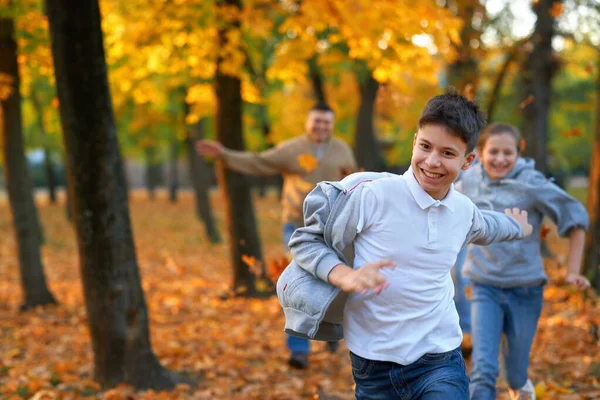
<point>513,312</point>
<point>432,377</point>
<point>294,344</point>
<point>463,305</point>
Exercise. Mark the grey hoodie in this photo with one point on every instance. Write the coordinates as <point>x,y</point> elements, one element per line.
<point>313,307</point>
<point>516,264</point>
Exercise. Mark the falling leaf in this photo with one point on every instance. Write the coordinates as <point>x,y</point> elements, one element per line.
<point>589,68</point>
<point>308,162</point>
<point>556,10</point>
<point>254,265</point>
<point>173,267</point>
<point>469,91</point>
<point>544,232</point>
<point>575,132</point>
<point>522,145</point>
<point>527,101</point>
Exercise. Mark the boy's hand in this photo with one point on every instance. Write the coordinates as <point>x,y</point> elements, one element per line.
<point>521,217</point>
<point>361,280</point>
<point>579,281</point>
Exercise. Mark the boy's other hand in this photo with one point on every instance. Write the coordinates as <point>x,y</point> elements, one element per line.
<point>521,217</point>
<point>209,148</point>
<point>579,281</point>
<point>361,280</point>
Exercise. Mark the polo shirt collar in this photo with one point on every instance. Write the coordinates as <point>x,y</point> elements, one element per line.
<point>423,199</point>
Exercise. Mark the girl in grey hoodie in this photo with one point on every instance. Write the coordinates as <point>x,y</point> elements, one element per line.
<point>508,277</point>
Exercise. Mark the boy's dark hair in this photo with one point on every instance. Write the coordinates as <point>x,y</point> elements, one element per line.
<point>321,106</point>
<point>497,129</point>
<point>458,114</point>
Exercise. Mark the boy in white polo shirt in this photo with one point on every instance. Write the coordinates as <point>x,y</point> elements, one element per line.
<point>399,320</point>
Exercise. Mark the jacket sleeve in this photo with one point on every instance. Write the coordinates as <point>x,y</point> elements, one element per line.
<point>307,244</point>
<point>488,227</point>
<point>269,162</point>
<point>562,208</point>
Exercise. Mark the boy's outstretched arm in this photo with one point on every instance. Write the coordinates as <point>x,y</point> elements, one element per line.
<point>490,226</point>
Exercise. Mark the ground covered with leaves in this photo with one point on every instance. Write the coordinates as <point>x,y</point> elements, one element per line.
<point>232,347</point>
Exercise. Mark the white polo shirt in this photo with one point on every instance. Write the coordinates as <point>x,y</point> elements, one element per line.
<point>415,315</point>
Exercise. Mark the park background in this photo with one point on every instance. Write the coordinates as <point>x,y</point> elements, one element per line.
<point>197,263</point>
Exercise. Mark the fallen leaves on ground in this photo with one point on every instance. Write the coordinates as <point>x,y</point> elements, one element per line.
<point>234,348</point>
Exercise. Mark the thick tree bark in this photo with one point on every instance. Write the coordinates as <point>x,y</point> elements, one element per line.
<point>114,299</point>
<point>244,241</point>
<point>368,153</point>
<point>173,170</point>
<point>592,253</point>
<point>201,180</point>
<point>539,68</point>
<point>18,183</point>
<point>68,202</point>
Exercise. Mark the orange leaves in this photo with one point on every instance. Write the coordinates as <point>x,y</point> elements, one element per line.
<point>234,348</point>
<point>308,162</point>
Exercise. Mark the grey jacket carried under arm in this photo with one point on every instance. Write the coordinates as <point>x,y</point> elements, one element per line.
<point>313,307</point>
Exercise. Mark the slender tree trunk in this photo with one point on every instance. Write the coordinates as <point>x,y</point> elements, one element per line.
<point>495,94</point>
<point>114,299</point>
<point>50,176</point>
<point>173,170</point>
<point>368,153</point>
<point>48,166</point>
<point>592,253</point>
<point>462,72</point>
<point>244,242</point>
<point>201,179</point>
<point>25,217</point>
<point>539,69</point>
<point>152,171</point>
<point>317,81</point>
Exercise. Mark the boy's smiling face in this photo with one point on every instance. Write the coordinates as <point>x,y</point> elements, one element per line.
<point>437,158</point>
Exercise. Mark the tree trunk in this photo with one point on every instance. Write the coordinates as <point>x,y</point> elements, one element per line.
<point>201,179</point>
<point>48,166</point>
<point>317,81</point>
<point>462,72</point>
<point>368,153</point>
<point>592,253</point>
<point>244,242</point>
<point>173,170</point>
<point>18,183</point>
<point>50,176</point>
<point>539,68</point>
<point>152,171</point>
<point>495,94</point>
<point>114,299</point>
<point>68,202</point>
